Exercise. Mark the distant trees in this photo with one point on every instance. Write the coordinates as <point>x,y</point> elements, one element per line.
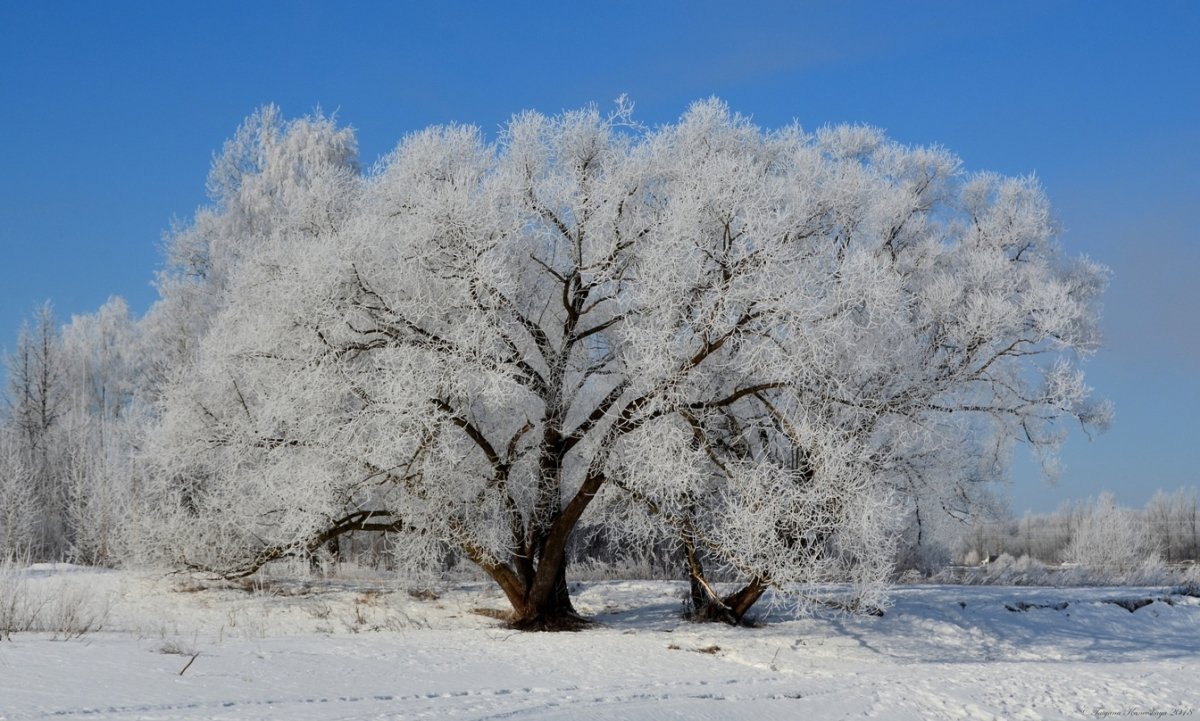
<point>1097,534</point>
<point>19,510</point>
<point>36,403</point>
<point>68,435</point>
<point>1109,537</point>
<point>1172,521</point>
<point>101,431</point>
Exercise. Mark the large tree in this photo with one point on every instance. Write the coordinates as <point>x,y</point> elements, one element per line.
<point>758,341</point>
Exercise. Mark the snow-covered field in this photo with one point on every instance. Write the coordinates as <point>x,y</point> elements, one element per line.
<point>364,649</point>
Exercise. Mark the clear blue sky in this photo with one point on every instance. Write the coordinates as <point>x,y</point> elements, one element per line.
<point>111,112</point>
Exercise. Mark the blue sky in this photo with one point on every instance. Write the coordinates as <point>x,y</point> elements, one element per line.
<point>111,113</point>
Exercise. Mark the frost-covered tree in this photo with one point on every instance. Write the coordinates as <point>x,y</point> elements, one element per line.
<point>68,433</point>
<point>98,433</point>
<point>1110,538</point>
<point>923,299</point>
<point>260,179</point>
<point>36,401</point>
<point>758,343</point>
<point>101,363</point>
<point>19,511</point>
<point>36,390</point>
<point>1173,523</point>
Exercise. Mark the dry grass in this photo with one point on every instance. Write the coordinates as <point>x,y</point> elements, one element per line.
<point>66,608</point>
<point>497,613</point>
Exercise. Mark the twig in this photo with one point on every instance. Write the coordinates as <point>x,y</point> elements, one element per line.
<point>189,663</point>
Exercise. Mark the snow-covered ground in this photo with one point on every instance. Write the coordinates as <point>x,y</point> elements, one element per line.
<point>363,649</point>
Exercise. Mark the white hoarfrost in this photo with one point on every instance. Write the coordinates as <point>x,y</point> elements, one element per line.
<point>760,346</point>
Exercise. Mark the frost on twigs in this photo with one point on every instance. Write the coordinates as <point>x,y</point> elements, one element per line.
<point>758,347</point>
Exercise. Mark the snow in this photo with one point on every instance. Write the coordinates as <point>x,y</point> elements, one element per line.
<point>364,648</point>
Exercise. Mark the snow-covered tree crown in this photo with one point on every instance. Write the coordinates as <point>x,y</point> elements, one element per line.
<point>761,340</point>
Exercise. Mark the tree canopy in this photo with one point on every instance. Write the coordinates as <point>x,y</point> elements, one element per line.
<point>761,346</point>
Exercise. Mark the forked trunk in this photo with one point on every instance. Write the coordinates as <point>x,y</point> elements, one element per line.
<point>540,599</point>
<point>708,605</point>
<point>741,602</point>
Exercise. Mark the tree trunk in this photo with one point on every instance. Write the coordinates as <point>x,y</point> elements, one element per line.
<point>547,606</point>
<point>707,604</point>
<point>741,602</point>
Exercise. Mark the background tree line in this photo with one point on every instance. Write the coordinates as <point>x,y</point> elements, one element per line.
<point>1094,532</point>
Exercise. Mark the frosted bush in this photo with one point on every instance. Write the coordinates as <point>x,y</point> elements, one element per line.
<point>1111,540</point>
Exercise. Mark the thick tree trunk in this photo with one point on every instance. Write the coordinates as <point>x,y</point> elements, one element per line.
<point>549,609</point>
<point>548,606</point>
